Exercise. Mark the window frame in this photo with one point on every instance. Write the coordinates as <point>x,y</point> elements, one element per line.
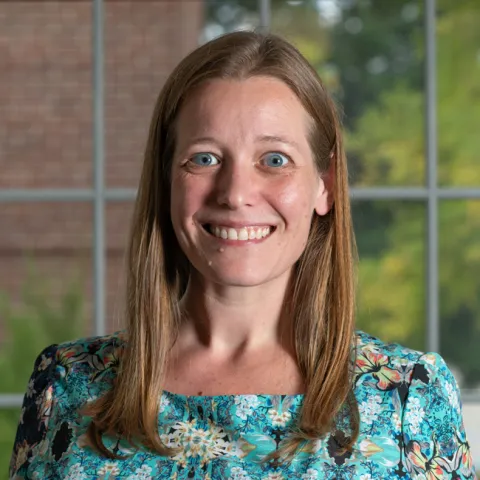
<point>100,195</point>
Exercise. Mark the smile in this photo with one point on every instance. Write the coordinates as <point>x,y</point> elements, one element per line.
<point>242,234</point>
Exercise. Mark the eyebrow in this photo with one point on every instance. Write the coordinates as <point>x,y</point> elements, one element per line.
<point>277,139</point>
<point>262,138</point>
<point>202,140</point>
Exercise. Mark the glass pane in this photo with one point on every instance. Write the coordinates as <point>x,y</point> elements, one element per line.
<point>222,16</point>
<point>9,419</point>
<point>144,41</point>
<point>460,289</point>
<point>391,242</point>
<point>45,94</point>
<point>370,56</point>
<point>119,215</point>
<point>45,282</point>
<point>458,73</point>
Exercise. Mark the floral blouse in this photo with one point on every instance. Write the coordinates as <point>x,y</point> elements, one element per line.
<point>410,424</point>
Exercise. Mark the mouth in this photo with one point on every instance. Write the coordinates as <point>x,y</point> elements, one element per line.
<point>242,234</point>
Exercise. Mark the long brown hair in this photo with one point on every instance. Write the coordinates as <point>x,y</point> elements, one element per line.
<point>322,300</point>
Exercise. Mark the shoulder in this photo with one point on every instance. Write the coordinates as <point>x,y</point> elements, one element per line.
<point>65,376</point>
<point>103,348</point>
<point>422,405</point>
<point>85,369</point>
<point>387,366</point>
<point>80,370</point>
<point>371,351</point>
<point>91,358</point>
<point>422,382</point>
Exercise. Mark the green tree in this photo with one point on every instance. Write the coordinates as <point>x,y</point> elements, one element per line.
<point>389,139</point>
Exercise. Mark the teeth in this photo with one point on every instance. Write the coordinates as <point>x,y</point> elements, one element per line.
<point>241,234</point>
<point>232,234</point>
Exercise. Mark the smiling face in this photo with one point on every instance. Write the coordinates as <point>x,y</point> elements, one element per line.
<point>244,183</point>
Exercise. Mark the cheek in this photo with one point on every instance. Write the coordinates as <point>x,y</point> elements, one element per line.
<point>186,198</point>
<point>295,203</point>
<point>179,204</point>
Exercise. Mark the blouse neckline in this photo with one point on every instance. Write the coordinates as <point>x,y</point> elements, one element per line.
<point>225,396</point>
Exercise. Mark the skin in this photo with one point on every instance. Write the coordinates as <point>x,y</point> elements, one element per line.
<point>242,158</point>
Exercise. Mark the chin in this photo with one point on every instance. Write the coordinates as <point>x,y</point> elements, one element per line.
<point>237,279</point>
<point>240,272</point>
<point>242,277</point>
<point>243,283</point>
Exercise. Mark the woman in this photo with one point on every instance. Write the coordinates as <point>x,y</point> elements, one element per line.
<point>240,359</point>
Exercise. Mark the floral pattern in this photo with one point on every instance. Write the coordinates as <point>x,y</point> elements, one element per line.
<point>411,424</point>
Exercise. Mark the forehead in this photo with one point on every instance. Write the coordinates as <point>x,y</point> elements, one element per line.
<point>261,105</point>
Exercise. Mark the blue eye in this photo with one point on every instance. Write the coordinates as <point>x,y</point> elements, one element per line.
<point>276,160</point>
<point>204,159</point>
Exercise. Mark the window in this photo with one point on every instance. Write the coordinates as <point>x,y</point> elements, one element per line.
<point>407,74</point>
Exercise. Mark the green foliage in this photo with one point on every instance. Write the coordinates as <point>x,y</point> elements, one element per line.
<point>391,278</point>
<point>459,94</point>
<point>28,328</point>
<point>8,426</point>
<point>388,139</point>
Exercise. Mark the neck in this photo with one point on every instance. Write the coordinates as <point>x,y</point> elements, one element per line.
<point>230,321</point>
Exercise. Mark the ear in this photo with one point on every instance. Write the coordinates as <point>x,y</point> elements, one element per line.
<point>326,189</point>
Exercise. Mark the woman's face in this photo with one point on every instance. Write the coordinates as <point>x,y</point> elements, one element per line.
<point>244,183</point>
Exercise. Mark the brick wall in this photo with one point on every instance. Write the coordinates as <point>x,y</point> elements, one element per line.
<point>46,126</point>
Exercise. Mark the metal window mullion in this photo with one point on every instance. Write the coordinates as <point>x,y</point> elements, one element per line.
<point>265,12</point>
<point>129,194</point>
<point>11,400</point>
<point>46,195</point>
<point>67,195</point>
<point>388,193</point>
<point>98,170</point>
<point>412,193</point>
<point>432,300</point>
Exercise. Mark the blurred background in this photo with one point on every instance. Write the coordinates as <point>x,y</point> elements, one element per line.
<point>78,83</point>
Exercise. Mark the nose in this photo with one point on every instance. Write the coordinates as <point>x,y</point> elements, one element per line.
<point>236,185</point>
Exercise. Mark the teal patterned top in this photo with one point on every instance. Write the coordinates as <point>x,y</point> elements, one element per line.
<point>411,424</point>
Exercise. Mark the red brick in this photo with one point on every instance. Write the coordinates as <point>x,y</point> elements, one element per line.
<point>46,128</point>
